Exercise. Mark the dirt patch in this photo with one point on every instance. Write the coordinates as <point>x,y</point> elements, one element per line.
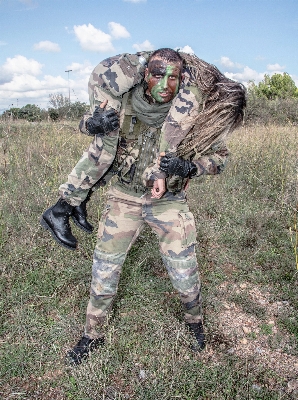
<point>252,337</point>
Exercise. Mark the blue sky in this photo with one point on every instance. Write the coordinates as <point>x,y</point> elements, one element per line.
<point>41,39</point>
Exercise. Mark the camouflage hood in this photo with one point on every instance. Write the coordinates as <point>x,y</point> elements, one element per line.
<point>223,109</point>
<point>151,114</point>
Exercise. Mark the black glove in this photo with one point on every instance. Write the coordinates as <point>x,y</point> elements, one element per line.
<point>102,122</point>
<point>172,165</point>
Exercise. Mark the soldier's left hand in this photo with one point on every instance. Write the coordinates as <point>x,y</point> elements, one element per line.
<point>172,165</point>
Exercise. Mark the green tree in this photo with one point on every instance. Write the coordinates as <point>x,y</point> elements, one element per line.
<point>12,112</point>
<point>31,112</point>
<point>277,86</point>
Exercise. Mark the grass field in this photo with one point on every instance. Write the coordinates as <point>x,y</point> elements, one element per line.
<point>247,252</point>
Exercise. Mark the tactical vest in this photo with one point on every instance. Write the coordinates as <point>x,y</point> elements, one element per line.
<point>138,147</point>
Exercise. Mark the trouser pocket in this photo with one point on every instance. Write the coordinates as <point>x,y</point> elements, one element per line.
<point>188,229</point>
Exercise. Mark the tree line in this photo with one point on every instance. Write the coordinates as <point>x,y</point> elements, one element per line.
<point>60,108</point>
<point>274,99</point>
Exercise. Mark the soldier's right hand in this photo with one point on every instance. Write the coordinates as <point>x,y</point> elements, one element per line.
<point>102,121</point>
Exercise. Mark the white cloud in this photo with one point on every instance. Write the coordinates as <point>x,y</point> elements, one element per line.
<point>275,67</point>
<point>5,76</point>
<point>93,39</point>
<point>22,65</point>
<point>226,62</point>
<point>29,89</point>
<point>118,31</point>
<point>248,74</point>
<point>185,49</point>
<point>145,46</point>
<point>245,76</point>
<point>136,1</point>
<point>19,80</point>
<point>80,70</point>
<point>2,43</point>
<point>47,46</point>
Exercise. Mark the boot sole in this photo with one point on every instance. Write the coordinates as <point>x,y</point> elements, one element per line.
<point>45,225</point>
<point>79,225</point>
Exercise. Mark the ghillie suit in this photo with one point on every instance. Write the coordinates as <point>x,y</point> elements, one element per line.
<point>224,101</point>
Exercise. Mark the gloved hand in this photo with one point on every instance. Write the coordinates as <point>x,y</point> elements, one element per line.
<point>172,165</point>
<point>102,122</point>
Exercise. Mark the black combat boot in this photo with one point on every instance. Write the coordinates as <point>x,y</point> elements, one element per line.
<point>56,220</point>
<point>198,331</point>
<point>79,215</point>
<point>82,349</point>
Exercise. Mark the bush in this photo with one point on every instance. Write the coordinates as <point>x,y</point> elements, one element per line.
<point>279,111</point>
<point>29,112</point>
<point>273,100</point>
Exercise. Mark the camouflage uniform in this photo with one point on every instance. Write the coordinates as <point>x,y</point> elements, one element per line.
<point>110,80</point>
<point>130,206</point>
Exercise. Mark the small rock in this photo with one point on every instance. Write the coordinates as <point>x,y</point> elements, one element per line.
<point>243,285</point>
<point>110,393</point>
<point>226,306</point>
<point>142,374</point>
<point>231,350</point>
<point>259,350</point>
<point>256,387</point>
<point>246,329</point>
<point>271,322</point>
<point>293,385</point>
<point>243,341</point>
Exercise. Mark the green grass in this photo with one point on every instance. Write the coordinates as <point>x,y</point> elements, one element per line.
<point>247,263</point>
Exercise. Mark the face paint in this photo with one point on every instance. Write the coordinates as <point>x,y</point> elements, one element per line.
<point>163,80</point>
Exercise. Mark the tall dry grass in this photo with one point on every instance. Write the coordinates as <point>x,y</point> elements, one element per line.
<point>248,273</point>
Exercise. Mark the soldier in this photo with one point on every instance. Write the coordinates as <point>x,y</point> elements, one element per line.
<point>109,81</point>
<point>148,192</point>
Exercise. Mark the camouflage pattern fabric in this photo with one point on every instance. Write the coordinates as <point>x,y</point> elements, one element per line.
<point>109,80</point>
<point>120,225</point>
<point>93,164</point>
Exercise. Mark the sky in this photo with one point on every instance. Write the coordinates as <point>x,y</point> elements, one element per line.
<point>42,39</point>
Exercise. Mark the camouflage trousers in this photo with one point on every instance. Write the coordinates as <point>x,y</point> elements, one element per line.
<point>124,217</point>
<point>93,164</point>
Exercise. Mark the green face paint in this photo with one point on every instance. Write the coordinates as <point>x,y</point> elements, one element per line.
<point>163,80</point>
